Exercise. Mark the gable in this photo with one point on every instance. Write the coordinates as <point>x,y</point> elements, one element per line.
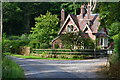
<point>69,21</point>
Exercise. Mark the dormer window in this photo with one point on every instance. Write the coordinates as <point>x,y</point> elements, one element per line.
<point>70,28</point>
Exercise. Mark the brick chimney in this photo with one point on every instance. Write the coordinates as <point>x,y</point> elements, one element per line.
<point>62,17</point>
<point>82,9</point>
<point>88,11</point>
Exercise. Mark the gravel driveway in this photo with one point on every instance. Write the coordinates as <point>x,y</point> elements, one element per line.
<point>37,68</point>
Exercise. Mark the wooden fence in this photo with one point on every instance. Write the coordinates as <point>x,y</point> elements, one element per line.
<point>102,52</point>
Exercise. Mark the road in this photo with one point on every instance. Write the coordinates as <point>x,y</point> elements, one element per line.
<point>38,68</point>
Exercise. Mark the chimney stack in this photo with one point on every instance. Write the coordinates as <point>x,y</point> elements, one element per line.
<point>88,11</point>
<point>62,16</point>
<point>82,11</point>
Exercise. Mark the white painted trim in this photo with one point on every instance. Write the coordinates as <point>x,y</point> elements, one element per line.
<point>86,26</point>
<point>65,23</point>
<point>55,38</point>
<point>74,23</point>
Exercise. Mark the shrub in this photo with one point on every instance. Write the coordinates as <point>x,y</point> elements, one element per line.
<point>116,56</point>
<point>75,56</point>
<point>56,46</point>
<point>45,46</point>
<point>13,37</point>
<point>13,45</point>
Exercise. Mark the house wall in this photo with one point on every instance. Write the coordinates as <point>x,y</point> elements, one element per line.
<point>57,42</point>
<point>90,34</point>
<point>69,23</point>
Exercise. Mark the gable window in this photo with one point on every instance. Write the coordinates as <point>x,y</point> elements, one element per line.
<point>70,28</point>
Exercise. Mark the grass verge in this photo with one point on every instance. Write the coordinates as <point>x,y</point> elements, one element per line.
<point>11,70</point>
<point>36,57</point>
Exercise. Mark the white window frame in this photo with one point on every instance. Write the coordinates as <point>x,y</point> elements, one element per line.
<point>104,41</point>
<point>69,28</point>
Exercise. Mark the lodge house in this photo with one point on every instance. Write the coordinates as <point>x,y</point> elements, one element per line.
<point>87,22</point>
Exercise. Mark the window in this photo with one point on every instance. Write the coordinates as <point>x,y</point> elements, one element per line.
<point>101,41</point>
<point>104,42</point>
<point>69,28</point>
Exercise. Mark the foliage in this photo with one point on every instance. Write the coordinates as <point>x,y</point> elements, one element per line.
<point>19,17</point>
<point>12,20</point>
<point>56,46</point>
<point>12,43</point>
<point>117,46</point>
<point>46,27</point>
<point>107,10</point>
<point>71,7</point>
<point>76,39</point>
<point>11,70</point>
<point>110,18</point>
<point>117,49</point>
<point>114,29</point>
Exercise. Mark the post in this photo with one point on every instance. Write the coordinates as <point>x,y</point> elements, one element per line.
<point>94,48</point>
<point>25,50</point>
<point>0,39</point>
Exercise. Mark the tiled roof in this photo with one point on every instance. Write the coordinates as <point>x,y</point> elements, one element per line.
<point>81,22</point>
<point>101,35</point>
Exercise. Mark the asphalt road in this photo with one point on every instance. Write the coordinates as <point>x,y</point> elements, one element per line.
<point>37,68</point>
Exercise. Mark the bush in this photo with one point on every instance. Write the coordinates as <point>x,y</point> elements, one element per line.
<point>34,44</point>
<point>13,45</point>
<point>45,46</point>
<point>56,46</point>
<point>13,37</point>
<point>75,56</point>
<point>116,56</point>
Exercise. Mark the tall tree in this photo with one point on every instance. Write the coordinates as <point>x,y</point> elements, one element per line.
<point>12,20</point>
<point>46,27</point>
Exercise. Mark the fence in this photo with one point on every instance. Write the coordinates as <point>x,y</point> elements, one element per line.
<point>72,52</point>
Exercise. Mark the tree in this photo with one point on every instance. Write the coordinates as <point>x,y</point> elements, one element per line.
<point>76,39</point>
<point>18,18</point>
<point>109,13</point>
<point>114,30</point>
<point>46,27</point>
<point>71,7</point>
<point>12,20</point>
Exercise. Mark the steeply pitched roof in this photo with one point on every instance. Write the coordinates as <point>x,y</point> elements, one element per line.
<point>81,22</point>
